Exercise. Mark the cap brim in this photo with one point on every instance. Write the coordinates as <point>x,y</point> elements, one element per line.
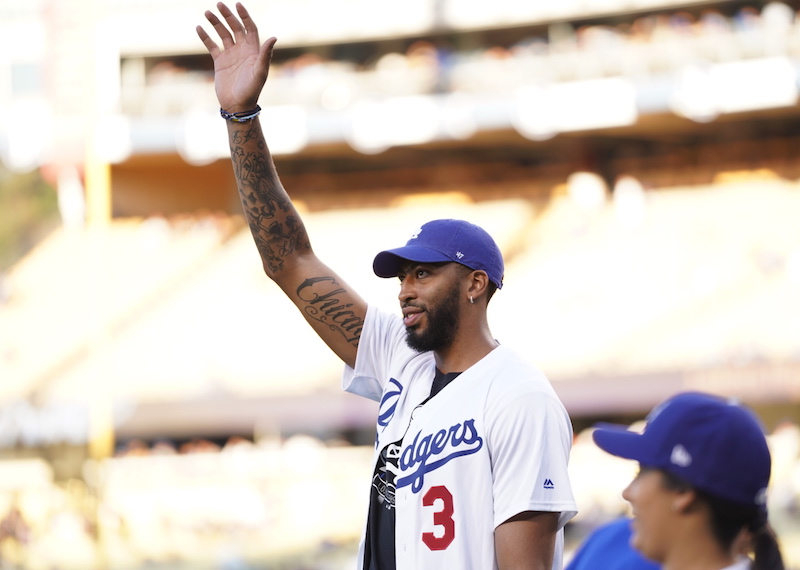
<point>622,442</point>
<point>387,263</point>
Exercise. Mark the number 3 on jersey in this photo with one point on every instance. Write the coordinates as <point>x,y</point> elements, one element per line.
<point>442,517</point>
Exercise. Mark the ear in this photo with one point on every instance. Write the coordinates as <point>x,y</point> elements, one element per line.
<point>684,501</point>
<point>478,282</point>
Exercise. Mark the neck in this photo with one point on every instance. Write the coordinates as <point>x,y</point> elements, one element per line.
<point>697,550</point>
<point>465,351</point>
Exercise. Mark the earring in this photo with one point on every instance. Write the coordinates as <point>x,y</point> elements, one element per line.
<point>471,300</point>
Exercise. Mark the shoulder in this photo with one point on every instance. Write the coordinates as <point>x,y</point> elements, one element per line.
<point>386,344</point>
<point>520,400</point>
<point>512,377</point>
<point>383,334</point>
<point>510,367</point>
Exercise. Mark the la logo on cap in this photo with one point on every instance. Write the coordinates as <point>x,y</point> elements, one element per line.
<point>680,456</point>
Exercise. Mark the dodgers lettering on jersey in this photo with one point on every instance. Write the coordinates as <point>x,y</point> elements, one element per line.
<point>445,445</point>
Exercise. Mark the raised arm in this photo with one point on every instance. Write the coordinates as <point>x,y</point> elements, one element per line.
<point>241,67</point>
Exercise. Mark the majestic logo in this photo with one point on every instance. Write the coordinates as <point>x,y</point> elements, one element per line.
<point>391,395</point>
<point>428,453</point>
<point>548,484</point>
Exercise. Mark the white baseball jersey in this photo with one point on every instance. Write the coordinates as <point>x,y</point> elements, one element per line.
<point>493,443</point>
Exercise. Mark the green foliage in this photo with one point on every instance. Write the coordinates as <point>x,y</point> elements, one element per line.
<point>28,211</point>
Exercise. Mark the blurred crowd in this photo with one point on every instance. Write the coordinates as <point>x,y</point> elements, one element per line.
<point>645,46</point>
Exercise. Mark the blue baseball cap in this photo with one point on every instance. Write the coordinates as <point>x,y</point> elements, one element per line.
<point>441,241</point>
<point>715,444</point>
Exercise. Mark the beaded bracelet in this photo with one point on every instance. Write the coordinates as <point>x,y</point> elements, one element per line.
<point>241,117</point>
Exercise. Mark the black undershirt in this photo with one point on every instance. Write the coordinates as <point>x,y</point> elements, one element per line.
<point>379,551</point>
<point>441,380</point>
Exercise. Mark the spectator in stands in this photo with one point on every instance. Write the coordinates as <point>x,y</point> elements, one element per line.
<point>472,446</point>
<point>701,489</point>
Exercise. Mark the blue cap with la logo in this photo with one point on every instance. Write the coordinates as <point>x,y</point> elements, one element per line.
<point>440,241</point>
<point>715,444</point>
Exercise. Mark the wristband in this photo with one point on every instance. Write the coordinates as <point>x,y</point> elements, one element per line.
<point>241,117</point>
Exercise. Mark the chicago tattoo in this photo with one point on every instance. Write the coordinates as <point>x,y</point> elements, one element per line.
<point>324,306</point>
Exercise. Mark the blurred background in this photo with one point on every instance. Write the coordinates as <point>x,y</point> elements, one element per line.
<point>162,405</point>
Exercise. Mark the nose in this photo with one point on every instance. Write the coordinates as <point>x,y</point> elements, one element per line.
<point>627,492</point>
<point>406,289</point>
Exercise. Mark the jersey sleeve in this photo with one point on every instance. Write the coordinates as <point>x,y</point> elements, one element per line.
<point>381,338</point>
<point>530,437</point>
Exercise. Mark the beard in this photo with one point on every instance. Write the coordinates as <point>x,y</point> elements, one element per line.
<point>441,327</point>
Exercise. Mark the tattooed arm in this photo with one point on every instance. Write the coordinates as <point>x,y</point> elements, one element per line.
<point>240,69</point>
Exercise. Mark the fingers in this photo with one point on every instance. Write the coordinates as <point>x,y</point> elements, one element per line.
<point>234,23</point>
<point>265,55</point>
<point>211,46</point>
<point>243,30</point>
<point>249,25</point>
<point>222,31</point>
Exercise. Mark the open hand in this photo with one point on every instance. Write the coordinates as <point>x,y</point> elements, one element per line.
<point>242,64</point>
